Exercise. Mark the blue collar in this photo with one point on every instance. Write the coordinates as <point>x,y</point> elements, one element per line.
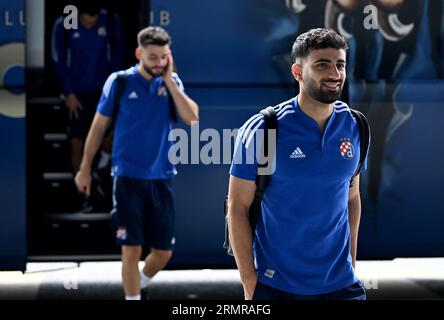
<point>309,122</point>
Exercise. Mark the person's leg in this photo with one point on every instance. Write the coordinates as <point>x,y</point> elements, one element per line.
<point>130,271</point>
<point>160,228</point>
<point>78,129</point>
<point>76,157</point>
<point>76,153</point>
<point>156,261</point>
<point>128,228</point>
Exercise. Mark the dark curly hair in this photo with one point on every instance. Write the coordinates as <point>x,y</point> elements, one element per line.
<point>316,39</point>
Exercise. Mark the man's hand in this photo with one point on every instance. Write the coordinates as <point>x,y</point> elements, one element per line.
<point>73,105</point>
<point>83,181</point>
<point>249,287</point>
<point>168,73</point>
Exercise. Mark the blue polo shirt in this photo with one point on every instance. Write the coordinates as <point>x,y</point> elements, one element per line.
<point>140,146</point>
<point>302,242</point>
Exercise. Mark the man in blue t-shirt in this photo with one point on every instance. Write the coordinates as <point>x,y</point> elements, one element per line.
<point>306,237</point>
<point>143,208</point>
<point>82,60</point>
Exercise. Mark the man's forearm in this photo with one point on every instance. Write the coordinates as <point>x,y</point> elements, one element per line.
<point>186,107</point>
<point>241,240</point>
<point>92,145</point>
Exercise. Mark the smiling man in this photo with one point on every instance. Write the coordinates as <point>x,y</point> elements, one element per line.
<point>306,236</point>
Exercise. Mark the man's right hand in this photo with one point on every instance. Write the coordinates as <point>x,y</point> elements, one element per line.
<point>73,105</point>
<point>249,287</point>
<point>83,182</point>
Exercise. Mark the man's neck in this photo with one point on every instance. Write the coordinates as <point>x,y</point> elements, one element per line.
<point>143,73</point>
<point>316,110</point>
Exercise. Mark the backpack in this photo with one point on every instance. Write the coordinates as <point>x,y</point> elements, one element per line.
<point>270,122</point>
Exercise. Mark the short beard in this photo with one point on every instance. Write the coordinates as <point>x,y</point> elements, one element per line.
<point>322,96</point>
<point>150,71</point>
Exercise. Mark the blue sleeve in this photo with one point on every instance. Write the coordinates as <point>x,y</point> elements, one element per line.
<point>59,53</point>
<point>118,48</point>
<point>244,164</point>
<point>106,102</point>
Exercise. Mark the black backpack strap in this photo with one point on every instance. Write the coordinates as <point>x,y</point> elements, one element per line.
<point>121,80</point>
<point>364,140</point>
<point>270,123</point>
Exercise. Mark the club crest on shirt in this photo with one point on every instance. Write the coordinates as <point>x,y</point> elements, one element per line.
<point>346,149</point>
<point>161,91</point>
<point>101,31</point>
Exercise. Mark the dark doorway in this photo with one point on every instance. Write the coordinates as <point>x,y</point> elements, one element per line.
<point>56,227</point>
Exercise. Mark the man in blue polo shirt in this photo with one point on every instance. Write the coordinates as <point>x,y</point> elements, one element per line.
<point>143,208</point>
<point>306,237</point>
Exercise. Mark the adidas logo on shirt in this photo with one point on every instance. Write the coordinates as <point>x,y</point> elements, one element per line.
<point>133,95</point>
<point>297,154</point>
<point>76,35</point>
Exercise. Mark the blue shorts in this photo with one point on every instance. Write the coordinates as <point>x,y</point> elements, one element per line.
<point>354,292</point>
<point>143,212</point>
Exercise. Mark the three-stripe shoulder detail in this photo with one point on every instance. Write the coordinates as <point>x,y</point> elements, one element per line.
<point>247,131</point>
<point>340,106</point>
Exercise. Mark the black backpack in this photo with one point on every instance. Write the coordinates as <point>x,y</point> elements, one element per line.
<point>270,122</point>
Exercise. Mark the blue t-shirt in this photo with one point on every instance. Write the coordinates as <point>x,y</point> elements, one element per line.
<point>302,242</point>
<point>140,146</point>
<point>83,58</point>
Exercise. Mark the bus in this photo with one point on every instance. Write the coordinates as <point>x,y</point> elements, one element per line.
<point>234,59</point>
